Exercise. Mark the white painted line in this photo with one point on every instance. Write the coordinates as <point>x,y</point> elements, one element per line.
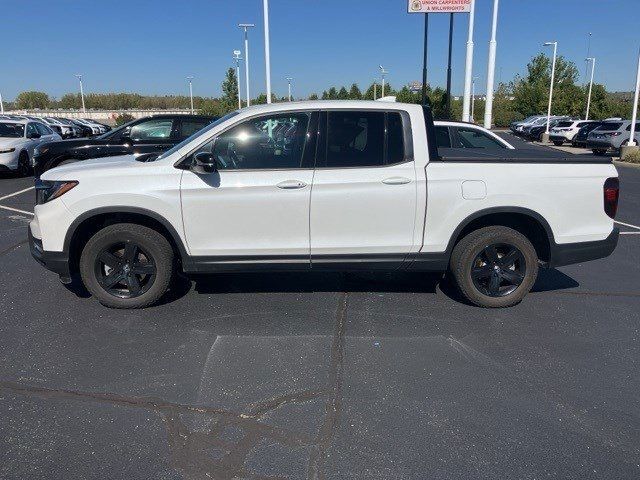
<point>621,223</point>
<point>629,233</point>
<point>16,210</point>
<point>16,193</point>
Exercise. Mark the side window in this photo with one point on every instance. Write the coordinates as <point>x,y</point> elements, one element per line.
<point>43,130</point>
<point>191,126</point>
<point>395,139</point>
<point>31,130</point>
<point>156,129</point>
<point>474,138</point>
<point>443,140</point>
<point>355,139</point>
<point>271,142</point>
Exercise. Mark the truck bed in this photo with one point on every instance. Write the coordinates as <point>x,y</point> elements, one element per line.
<point>524,155</point>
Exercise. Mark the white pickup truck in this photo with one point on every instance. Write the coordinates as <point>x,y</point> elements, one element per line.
<point>324,185</point>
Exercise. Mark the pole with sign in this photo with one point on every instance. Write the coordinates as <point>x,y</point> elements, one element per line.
<point>438,6</point>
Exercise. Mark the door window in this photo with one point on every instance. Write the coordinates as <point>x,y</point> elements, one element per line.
<point>31,130</point>
<point>191,126</point>
<point>443,140</point>
<point>156,129</point>
<point>270,142</point>
<point>354,139</point>
<point>474,138</point>
<point>43,130</point>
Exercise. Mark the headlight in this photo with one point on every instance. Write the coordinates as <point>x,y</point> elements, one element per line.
<point>48,190</point>
<point>7,150</point>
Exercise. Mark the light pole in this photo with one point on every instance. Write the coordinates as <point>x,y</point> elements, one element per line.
<point>1,105</point>
<point>267,55</point>
<point>237,57</point>
<point>79,77</point>
<point>491,70</point>
<point>593,69</point>
<point>634,114</point>
<point>383,72</point>
<point>468,68</point>
<point>545,137</point>
<point>190,78</point>
<point>246,27</point>
<point>375,89</point>
<point>473,98</point>
<point>289,82</point>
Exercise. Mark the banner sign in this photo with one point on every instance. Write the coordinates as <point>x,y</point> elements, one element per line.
<point>439,6</point>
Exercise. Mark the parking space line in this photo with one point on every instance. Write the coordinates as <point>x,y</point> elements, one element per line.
<point>16,210</point>
<point>629,233</point>
<point>16,193</point>
<point>621,223</point>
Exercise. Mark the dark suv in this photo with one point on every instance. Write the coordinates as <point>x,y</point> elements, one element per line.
<point>143,136</point>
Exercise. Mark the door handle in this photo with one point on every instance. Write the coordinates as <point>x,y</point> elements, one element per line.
<point>291,184</point>
<point>396,181</point>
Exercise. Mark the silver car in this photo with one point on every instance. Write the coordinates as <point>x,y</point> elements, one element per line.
<point>18,138</point>
<point>611,135</point>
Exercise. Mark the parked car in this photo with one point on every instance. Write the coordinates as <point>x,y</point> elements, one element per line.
<point>541,122</point>
<point>18,139</point>
<point>75,129</point>
<point>322,185</point>
<point>518,127</point>
<point>451,135</point>
<point>146,135</point>
<point>611,135</point>
<point>65,131</point>
<point>566,130</point>
<point>85,130</point>
<point>95,129</point>
<point>101,128</point>
<point>535,133</point>
<point>106,127</point>
<point>580,140</point>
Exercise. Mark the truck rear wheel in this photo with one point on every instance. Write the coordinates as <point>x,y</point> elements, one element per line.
<point>494,267</point>
<point>127,266</point>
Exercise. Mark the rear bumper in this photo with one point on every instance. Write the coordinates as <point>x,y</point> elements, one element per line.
<point>599,144</point>
<point>57,262</point>
<point>571,253</point>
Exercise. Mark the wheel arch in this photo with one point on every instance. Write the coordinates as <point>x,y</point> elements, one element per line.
<point>528,222</point>
<point>93,220</point>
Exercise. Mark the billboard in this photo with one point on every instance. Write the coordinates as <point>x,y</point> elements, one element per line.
<point>439,6</point>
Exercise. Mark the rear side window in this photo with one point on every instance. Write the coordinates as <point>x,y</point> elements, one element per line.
<point>636,129</point>
<point>564,124</point>
<point>474,138</point>
<point>155,129</point>
<point>609,126</point>
<point>191,126</point>
<point>363,139</point>
<point>43,130</point>
<point>443,140</point>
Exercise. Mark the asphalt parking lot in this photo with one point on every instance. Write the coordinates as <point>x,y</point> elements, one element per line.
<point>321,376</point>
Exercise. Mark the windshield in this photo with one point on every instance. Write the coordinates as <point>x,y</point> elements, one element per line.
<point>198,133</point>
<point>609,126</point>
<point>12,130</point>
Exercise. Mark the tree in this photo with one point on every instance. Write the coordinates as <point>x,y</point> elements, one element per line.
<point>229,100</point>
<point>343,94</point>
<point>313,96</point>
<point>123,118</point>
<point>212,107</point>
<point>333,94</point>
<point>355,93</point>
<point>325,95</point>
<point>32,100</point>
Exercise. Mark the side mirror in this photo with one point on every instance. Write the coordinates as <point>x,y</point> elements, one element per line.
<point>204,162</point>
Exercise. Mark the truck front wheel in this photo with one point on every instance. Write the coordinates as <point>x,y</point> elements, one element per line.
<point>494,267</point>
<point>127,266</point>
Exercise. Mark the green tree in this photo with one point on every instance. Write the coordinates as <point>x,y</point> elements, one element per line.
<point>32,100</point>
<point>313,96</point>
<point>333,94</point>
<point>211,106</point>
<point>343,94</point>
<point>355,93</point>
<point>123,118</point>
<point>325,95</point>
<point>229,98</point>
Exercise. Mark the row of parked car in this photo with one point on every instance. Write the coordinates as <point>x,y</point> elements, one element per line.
<point>66,127</point>
<point>600,136</point>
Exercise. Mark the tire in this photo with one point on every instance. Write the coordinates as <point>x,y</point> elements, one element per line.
<point>24,168</point>
<point>599,152</point>
<point>558,144</point>
<point>111,257</point>
<point>476,275</point>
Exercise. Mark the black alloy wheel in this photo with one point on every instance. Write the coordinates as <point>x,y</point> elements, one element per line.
<point>498,270</point>
<point>125,269</point>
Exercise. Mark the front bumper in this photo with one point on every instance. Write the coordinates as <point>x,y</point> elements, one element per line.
<point>571,253</point>
<point>57,262</point>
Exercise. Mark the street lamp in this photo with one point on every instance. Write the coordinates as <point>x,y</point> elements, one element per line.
<point>553,77</point>
<point>383,72</point>
<point>267,55</point>
<point>473,98</point>
<point>634,114</point>
<point>190,78</point>
<point>593,68</point>
<point>468,67</point>
<point>289,82</point>
<point>237,56</point>
<point>245,27</point>
<point>1,105</point>
<point>375,88</point>
<point>491,70</point>
<point>79,77</point>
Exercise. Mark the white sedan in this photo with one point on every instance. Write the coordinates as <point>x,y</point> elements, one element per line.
<point>18,138</point>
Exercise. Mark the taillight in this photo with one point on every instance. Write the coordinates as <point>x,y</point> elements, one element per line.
<point>611,196</point>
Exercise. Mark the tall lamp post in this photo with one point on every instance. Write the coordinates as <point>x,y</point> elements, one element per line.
<point>545,137</point>
<point>246,27</point>
<point>1,105</point>
<point>593,69</point>
<point>237,57</point>
<point>375,88</point>
<point>491,70</point>
<point>267,54</point>
<point>190,78</point>
<point>289,82</point>
<point>468,68</point>
<point>79,77</point>
<point>473,98</point>
<point>634,116</point>
<point>383,73</point>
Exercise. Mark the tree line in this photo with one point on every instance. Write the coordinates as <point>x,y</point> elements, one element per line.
<point>525,95</point>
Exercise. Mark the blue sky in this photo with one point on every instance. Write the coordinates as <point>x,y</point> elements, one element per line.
<point>150,46</point>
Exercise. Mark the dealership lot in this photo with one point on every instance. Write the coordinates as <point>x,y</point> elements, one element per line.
<point>314,376</point>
